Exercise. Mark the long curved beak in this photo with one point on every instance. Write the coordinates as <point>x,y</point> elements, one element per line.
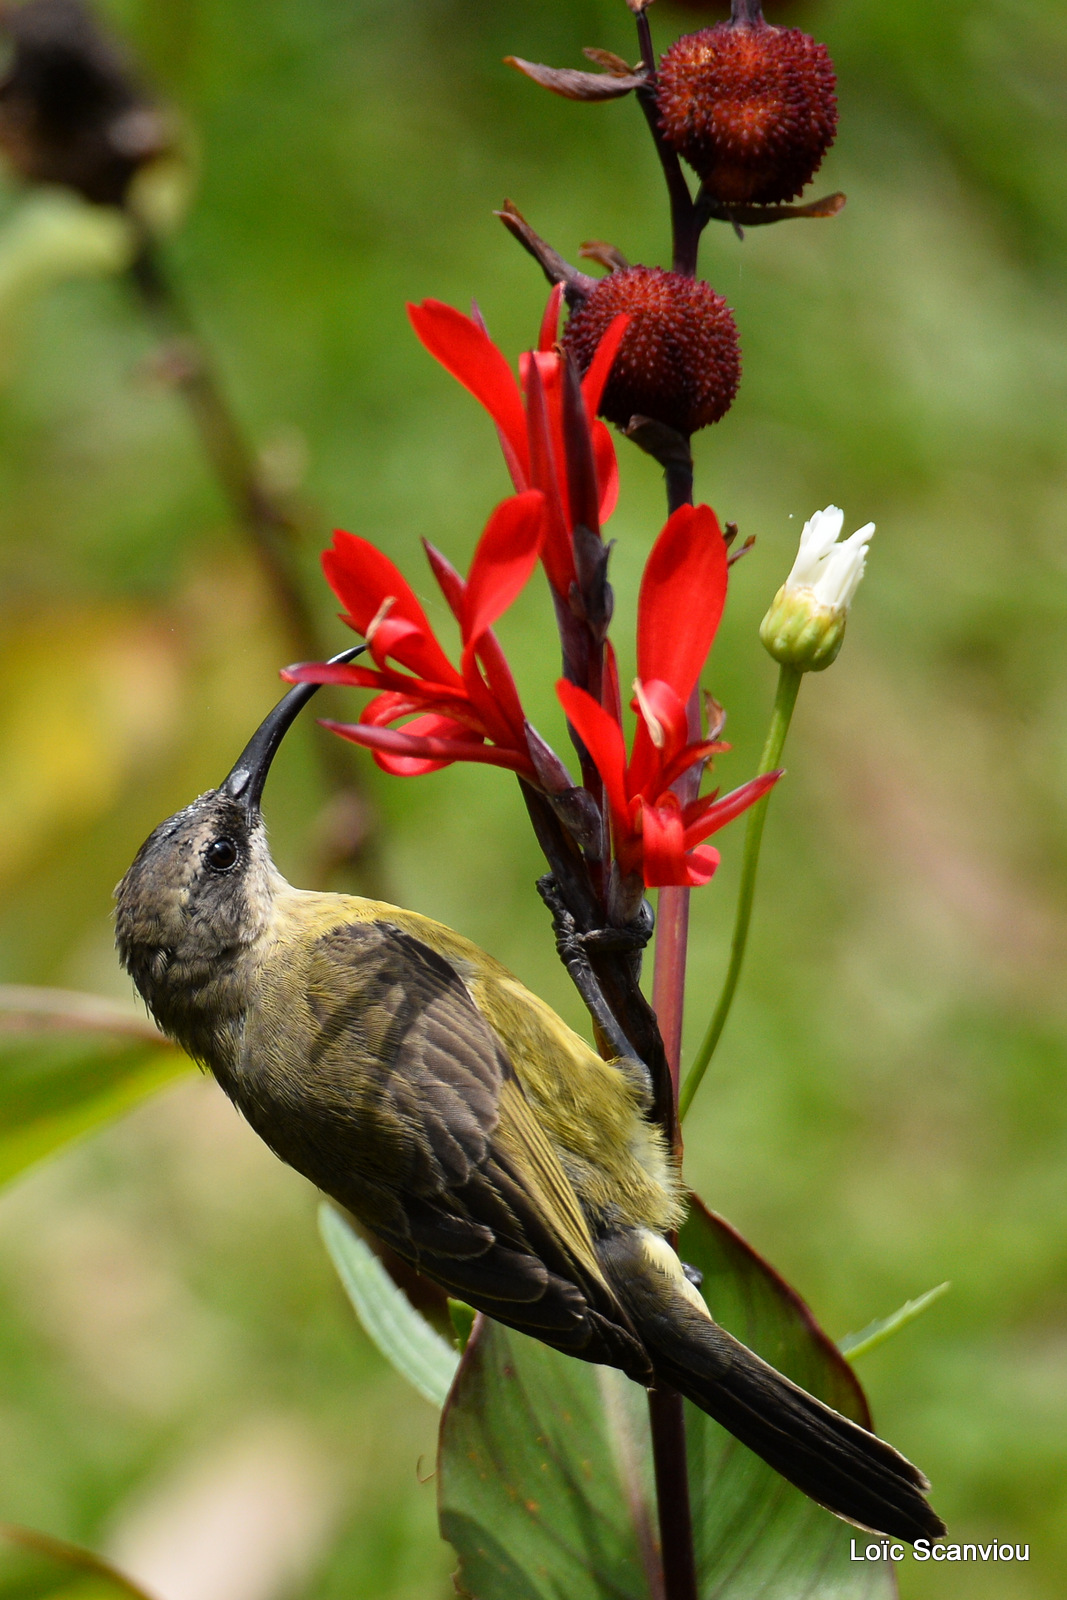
<point>249,773</point>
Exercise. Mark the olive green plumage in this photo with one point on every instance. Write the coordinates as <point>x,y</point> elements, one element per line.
<point>416,1081</point>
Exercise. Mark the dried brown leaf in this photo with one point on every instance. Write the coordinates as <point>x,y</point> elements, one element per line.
<point>575,85</point>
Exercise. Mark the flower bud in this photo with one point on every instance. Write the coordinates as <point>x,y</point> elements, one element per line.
<point>679,362</point>
<point>751,108</point>
<point>805,626</point>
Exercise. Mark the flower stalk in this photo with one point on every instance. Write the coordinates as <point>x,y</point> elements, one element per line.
<point>666,1408</point>
<point>784,704</point>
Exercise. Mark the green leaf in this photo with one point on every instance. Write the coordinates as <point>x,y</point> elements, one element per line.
<point>68,1063</point>
<point>34,1566</point>
<point>545,1478</point>
<point>401,1333</point>
<point>883,1328</point>
<point>754,1533</point>
<point>544,1475</point>
<point>461,1316</point>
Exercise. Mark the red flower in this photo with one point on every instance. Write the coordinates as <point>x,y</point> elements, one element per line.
<point>548,445</point>
<point>472,714</point>
<point>683,591</point>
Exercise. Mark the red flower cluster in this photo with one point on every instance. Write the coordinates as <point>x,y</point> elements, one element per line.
<point>683,591</point>
<point>472,714</point>
<point>570,459</point>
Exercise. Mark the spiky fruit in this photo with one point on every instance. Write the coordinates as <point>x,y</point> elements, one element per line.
<point>679,361</point>
<point>751,108</point>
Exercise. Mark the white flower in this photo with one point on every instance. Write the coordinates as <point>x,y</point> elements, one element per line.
<point>806,623</point>
<point>831,570</point>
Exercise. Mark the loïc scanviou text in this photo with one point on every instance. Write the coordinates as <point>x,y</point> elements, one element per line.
<point>923,1550</point>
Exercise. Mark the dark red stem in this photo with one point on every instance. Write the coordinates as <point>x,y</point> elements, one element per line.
<point>687,222</point>
<point>746,13</point>
<point>666,1409</point>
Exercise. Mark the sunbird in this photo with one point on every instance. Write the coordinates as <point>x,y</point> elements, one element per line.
<point>414,1080</point>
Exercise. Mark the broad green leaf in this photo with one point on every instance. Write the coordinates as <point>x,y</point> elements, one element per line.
<point>401,1333</point>
<point>544,1475</point>
<point>755,1534</point>
<point>883,1328</point>
<point>68,1063</point>
<point>545,1480</point>
<point>34,1566</point>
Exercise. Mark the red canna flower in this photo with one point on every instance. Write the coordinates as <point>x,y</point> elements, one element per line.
<point>548,444</point>
<point>683,591</point>
<point>469,714</point>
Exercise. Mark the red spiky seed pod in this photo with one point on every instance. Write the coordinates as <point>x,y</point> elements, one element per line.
<point>679,362</point>
<point>752,109</point>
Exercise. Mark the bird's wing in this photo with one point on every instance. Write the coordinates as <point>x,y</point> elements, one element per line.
<point>448,1162</point>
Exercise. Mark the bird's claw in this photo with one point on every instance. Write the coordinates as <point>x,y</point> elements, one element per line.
<point>572,941</point>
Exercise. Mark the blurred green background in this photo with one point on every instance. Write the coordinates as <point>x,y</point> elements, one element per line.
<point>183,1385</point>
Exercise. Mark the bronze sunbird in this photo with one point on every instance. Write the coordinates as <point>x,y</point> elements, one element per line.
<point>411,1077</point>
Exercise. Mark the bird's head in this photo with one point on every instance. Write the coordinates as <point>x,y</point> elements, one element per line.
<point>201,888</point>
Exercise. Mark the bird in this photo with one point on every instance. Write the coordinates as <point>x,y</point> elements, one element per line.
<point>420,1085</point>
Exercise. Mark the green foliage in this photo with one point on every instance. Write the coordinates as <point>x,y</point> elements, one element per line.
<point>70,1063</point>
<point>403,1336</point>
<point>545,1471</point>
<point>36,1567</point>
<point>883,1328</point>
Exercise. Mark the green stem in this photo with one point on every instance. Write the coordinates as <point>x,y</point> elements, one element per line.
<point>784,701</point>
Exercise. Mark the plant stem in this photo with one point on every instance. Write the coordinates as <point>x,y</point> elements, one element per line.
<point>686,222</point>
<point>746,13</point>
<point>666,1409</point>
<point>784,701</point>
<point>667,1419</point>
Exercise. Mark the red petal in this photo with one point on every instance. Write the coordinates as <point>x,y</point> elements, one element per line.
<point>669,725</point>
<point>707,816</point>
<point>449,581</point>
<point>421,691</point>
<point>602,362</point>
<point>544,470</point>
<point>576,451</point>
<point>502,708</point>
<point>393,703</point>
<point>439,751</point>
<point>683,591</point>
<point>362,578</point>
<point>393,636</point>
<point>421,728</point>
<point>665,860</point>
<point>663,845</point>
<point>702,864</point>
<point>549,336</point>
<point>688,756</point>
<point>607,470</point>
<point>468,353</point>
<point>503,562</point>
<point>610,697</point>
<point>602,737</point>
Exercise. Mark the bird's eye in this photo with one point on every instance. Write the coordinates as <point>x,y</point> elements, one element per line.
<point>221,855</point>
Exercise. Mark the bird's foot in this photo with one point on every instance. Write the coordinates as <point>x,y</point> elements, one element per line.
<point>575,948</point>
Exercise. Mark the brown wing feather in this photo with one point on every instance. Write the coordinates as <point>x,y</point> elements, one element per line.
<point>433,1144</point>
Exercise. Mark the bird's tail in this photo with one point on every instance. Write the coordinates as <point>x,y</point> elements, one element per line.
<point>844,1467</point>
